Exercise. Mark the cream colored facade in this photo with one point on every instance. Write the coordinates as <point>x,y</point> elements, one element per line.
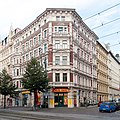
<point>102,73</point>
<point>114,77</point>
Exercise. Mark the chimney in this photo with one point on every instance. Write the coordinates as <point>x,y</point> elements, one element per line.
<point>117,57</point>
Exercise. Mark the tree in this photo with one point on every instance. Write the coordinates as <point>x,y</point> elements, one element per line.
<point>35,78</point>
<point>6,85</point>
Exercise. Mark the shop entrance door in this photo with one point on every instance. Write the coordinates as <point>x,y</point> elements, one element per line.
<point>61,101</point>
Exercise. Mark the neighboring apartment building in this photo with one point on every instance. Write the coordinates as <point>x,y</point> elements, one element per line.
<point>113,76</point>
<point>66,47</point>
<point>102,73</point>
<point>6,51</point>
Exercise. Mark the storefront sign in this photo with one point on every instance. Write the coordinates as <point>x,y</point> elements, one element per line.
<point>25,92</point>
<point>60,90</point>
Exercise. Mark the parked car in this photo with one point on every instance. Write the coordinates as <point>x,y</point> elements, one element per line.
<point>99,103</point>
<point>107,106</point>
<point>117,105</point>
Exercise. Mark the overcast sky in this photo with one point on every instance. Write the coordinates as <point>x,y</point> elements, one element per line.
<point>19,13</point>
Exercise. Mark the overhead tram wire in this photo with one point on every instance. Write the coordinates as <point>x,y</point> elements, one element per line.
<point>109,35</point>
<point>114,44</point>
<point>105,23</point>
<point>101,12</point>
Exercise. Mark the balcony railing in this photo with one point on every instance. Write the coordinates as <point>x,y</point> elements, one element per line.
<point>65,84</point>
<point>68,84</point>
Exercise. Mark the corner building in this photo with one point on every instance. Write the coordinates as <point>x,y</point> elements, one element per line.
<point>66,47</point>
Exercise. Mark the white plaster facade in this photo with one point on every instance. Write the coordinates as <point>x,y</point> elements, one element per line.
<point>114,77</point>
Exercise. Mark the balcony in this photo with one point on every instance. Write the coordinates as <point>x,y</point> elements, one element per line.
<point>65,34</point>
<point>61,84</point>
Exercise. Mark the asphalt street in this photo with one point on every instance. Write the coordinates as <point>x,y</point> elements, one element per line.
<point>90,113</point>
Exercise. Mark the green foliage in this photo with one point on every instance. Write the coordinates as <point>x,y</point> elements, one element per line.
<point>35,77</point>
<point>6,84</point>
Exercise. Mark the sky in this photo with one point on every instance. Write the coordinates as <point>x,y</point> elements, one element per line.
<point>19,13</point>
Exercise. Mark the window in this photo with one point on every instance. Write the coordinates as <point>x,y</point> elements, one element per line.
<point>17,42</point>
<point>23,47</point>
<point>16,50</point>
<point>31,42</point>
<point>17,61</point>
<point>82,54</point>
<point>57,60</point>
<point>17,72</point>
<point>64,77</point>
<point>57,18</point>
<point>44,21</point>
<point>64,60</point>
<point>62,18</point>
<point>20,70</point>
<point>14,72</point>
<point>64,44</point>
<point>34,40</point>
<point>39,38</point>
<point>30,55</point>
<point>27,57</point>
<point>23,37</point>
<point>88,57</point>
<point>27,46</point>
<point>17,84</point>
<point>35,53</point>
<point>40,51</point>
<point>65,29</point>
<point>85,56</point>
<point>79,79</point>
<point>45,47</point>
<point>20,60</point>
<point>57,77</point>
<point>55,29</point>
<point>45,33</point>
<point>60,29</point>
<point>23,59</point>
<point>45,63</point>
<point>20,84</point>
<point>57,44</point>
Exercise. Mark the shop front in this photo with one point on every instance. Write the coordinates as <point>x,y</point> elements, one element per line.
<point>61,97</point>
<point>26,98</point>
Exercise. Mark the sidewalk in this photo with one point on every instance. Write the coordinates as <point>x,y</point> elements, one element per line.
<point>56,109</point>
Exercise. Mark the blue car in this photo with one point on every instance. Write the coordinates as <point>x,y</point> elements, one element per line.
<point>107,106</point>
